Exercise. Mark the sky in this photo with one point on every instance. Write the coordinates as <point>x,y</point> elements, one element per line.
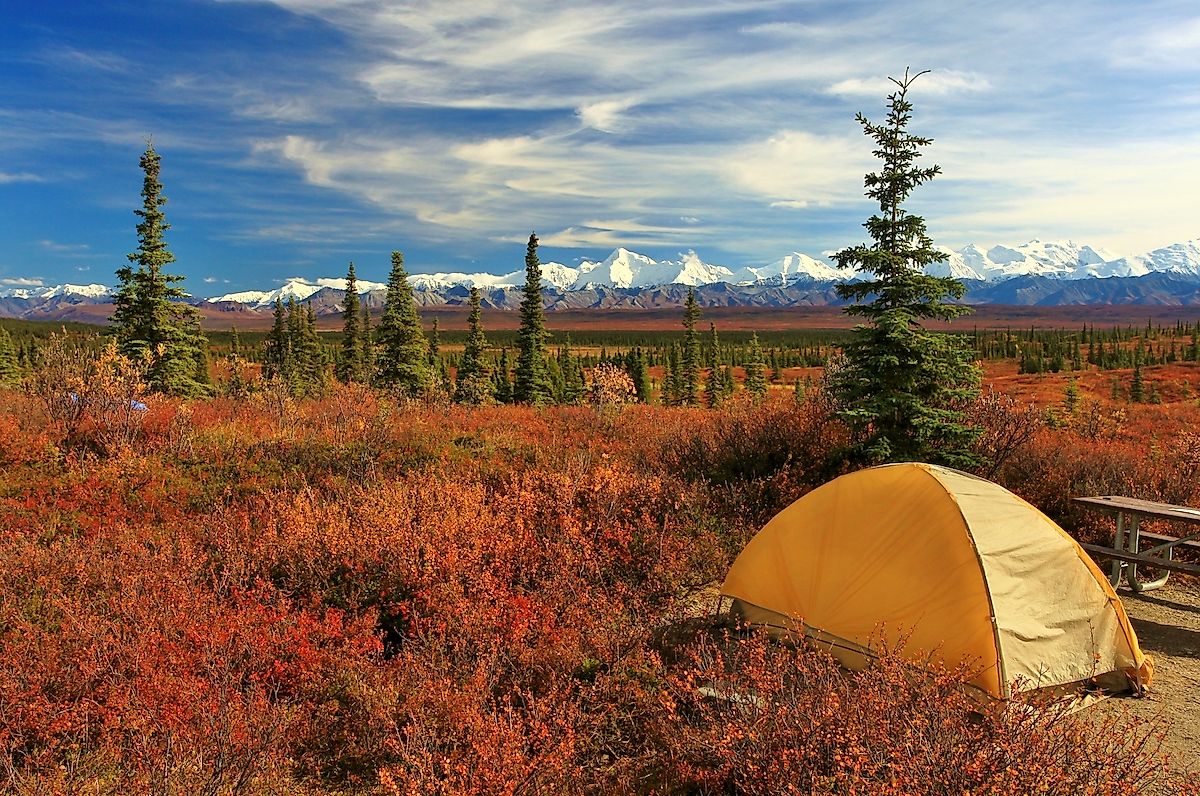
<point>300,135</point>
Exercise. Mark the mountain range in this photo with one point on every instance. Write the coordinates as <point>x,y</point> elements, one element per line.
<point>1034,273</point>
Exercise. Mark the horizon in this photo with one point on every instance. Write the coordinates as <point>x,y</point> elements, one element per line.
<point>300,135</point>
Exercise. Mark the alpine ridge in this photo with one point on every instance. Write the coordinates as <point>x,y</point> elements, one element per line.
<point>1037,272</point>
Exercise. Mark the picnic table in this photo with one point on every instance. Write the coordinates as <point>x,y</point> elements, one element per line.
<point>1126,551</point>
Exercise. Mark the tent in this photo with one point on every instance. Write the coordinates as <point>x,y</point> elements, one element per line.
<point>946,567</point>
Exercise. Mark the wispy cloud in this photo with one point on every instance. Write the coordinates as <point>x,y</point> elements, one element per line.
<point>64,248</point>
<point>934,83</point>
<point>7,177</point>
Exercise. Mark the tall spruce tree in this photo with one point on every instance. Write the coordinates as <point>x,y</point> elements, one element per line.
<point>403,362</point>
<point>275,349</point>
<point>350,361</point>
<point>714,387</point>
<point>472,385</point>
<point>691,361</point>
<point>532,382</point>
<point>902,389</point>
<point>150,321</point>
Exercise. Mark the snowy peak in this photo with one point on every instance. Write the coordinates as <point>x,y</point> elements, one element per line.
<point>627,269</point>
<point>787,269</point>
<point>58,291</point>
<point>296,289</point>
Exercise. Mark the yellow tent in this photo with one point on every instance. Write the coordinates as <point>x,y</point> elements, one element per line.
<point>961,568</point>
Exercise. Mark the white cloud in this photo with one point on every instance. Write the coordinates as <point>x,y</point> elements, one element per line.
<point>605,115</point>
<point>1163,45</point>
<point>64,248</point>
<point>19,281</point>
<point>210,280</point>
<point>7,177</point>
<point>935,83</point>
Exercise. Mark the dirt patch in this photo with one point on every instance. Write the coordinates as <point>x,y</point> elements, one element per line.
<point>1167,622</point>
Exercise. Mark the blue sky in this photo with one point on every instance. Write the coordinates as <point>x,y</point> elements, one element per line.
<point>298,135</point>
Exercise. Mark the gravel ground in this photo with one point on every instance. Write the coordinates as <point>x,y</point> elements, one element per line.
<point>1167,622</point>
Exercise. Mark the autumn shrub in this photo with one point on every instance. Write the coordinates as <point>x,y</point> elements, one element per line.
<point>755,458</point>
<point>748,716</point>
<point>345,594</point>
<point>91,399</point>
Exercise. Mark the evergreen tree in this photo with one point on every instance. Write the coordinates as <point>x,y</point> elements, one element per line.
<point>902,389</point>
<point>437,365</point>
<point>150,322</point>
<point>714,386</point>
<point>1137,389</point>
<point>10,371</point>
<point>1071,397</point>
<point>473,385</point>
<point>639,372</point>
<point>756,382</point>
<point>310,352</point>
<point>532,384</point>
<point>403,362</point>
<point>570,376</point>
<point>690,358</point>
<point>350,361</point>
<point>368,342</point>
<point>275,349</point>
<point>503,391</point>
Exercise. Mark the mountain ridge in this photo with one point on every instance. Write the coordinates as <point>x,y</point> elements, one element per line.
<point>1034,273</point>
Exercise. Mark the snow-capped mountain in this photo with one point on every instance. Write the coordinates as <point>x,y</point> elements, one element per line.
<point>82,291</point>
<point>788,269</point>
<point>297,289</point>
<point>626,269</point>
<point>1064,272</point>
<point>1055,259</point>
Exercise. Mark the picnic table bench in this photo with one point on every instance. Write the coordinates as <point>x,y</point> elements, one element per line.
<point>1126,551</point>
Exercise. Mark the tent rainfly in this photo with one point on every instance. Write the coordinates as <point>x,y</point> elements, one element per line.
<point>957,568</point>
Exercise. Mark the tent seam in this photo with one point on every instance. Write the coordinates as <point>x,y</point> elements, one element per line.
<point>1005,686</point>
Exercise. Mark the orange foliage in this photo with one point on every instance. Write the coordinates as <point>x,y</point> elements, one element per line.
<point>278,596</point>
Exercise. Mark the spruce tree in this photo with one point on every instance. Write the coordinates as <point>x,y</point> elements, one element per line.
<point>639,372</point>
<point>532,384</point>
<point>503,390</point>
<point>350,361</point>
<point>756,383</point>
<point>10,371</point>
<point>150,321</point>
<point>1137,388</point>
<point>368,342</point>
<point>472,385</point>
<point>275,349</point>
<point>403,362</point>
<point>691,362</point>
<point>902,389</point>
<point>714,388</point>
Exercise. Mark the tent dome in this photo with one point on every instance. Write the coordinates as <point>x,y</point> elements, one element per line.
<point>955,567</point>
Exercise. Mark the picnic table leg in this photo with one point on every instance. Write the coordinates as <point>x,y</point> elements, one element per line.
<point>1118,544</point>
<point>1131,573</point>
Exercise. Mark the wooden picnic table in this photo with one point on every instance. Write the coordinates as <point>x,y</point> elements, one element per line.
<point>1126,551</point>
